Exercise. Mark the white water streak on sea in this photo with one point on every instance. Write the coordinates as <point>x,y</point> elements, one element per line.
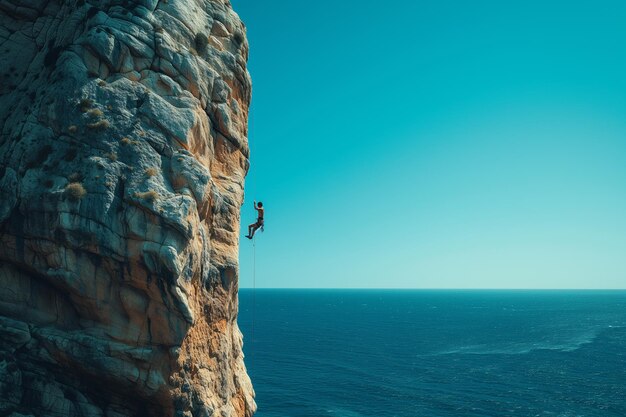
<point>523,348</point>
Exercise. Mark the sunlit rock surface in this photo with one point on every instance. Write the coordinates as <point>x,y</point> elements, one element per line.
<point>123,152</point>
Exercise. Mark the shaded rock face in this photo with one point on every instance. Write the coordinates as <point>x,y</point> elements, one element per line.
<point>123,152</point>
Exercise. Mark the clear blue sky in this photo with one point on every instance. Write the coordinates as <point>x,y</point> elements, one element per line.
<point>439,144</point>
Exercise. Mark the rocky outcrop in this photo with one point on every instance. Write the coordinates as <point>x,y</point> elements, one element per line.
<point>123,152</point>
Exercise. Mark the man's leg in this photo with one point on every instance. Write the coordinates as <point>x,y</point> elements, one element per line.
<point>254,227</point>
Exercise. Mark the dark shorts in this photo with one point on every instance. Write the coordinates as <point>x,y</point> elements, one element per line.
<point>259,222</point>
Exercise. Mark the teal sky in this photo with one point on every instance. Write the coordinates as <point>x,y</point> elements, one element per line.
<point>439,144</point>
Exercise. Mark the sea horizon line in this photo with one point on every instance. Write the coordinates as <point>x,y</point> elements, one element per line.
<point>428,289</point>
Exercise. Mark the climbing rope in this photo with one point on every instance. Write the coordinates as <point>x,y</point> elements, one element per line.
<point>253,309</point>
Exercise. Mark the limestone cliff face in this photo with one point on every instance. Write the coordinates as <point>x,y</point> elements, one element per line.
<point>123,152</point>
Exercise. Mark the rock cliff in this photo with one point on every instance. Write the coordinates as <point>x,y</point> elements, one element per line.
<point>123,152</point>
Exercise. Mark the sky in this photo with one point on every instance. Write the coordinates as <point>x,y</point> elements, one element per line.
<point>436,144</point>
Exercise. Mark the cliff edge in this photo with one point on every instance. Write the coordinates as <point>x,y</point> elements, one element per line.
<point>123,152</point>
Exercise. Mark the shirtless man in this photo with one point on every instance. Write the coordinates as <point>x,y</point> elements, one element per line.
<point>259,221</point>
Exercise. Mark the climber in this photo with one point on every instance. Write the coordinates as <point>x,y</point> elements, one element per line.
<point>259,221</point>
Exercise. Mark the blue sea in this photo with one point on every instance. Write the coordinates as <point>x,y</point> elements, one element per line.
<point>405,353</point>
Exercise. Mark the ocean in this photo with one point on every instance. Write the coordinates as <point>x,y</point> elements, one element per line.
<point>410,353</point>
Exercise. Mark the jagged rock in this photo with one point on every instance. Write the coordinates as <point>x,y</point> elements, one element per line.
<point>123,149</point>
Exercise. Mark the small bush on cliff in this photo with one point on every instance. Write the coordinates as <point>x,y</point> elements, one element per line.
<point>95,113</point>
<point>75,191</point>
<point>152,171</point>
<point>148,195</point>
<point>128,141</point>
<point>99,125</point>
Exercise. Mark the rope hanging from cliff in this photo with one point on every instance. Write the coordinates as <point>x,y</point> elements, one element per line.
<point>253,299</point>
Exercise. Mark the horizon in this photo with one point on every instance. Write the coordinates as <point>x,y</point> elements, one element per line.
<point>436,145</point>
<point>433,289</point>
